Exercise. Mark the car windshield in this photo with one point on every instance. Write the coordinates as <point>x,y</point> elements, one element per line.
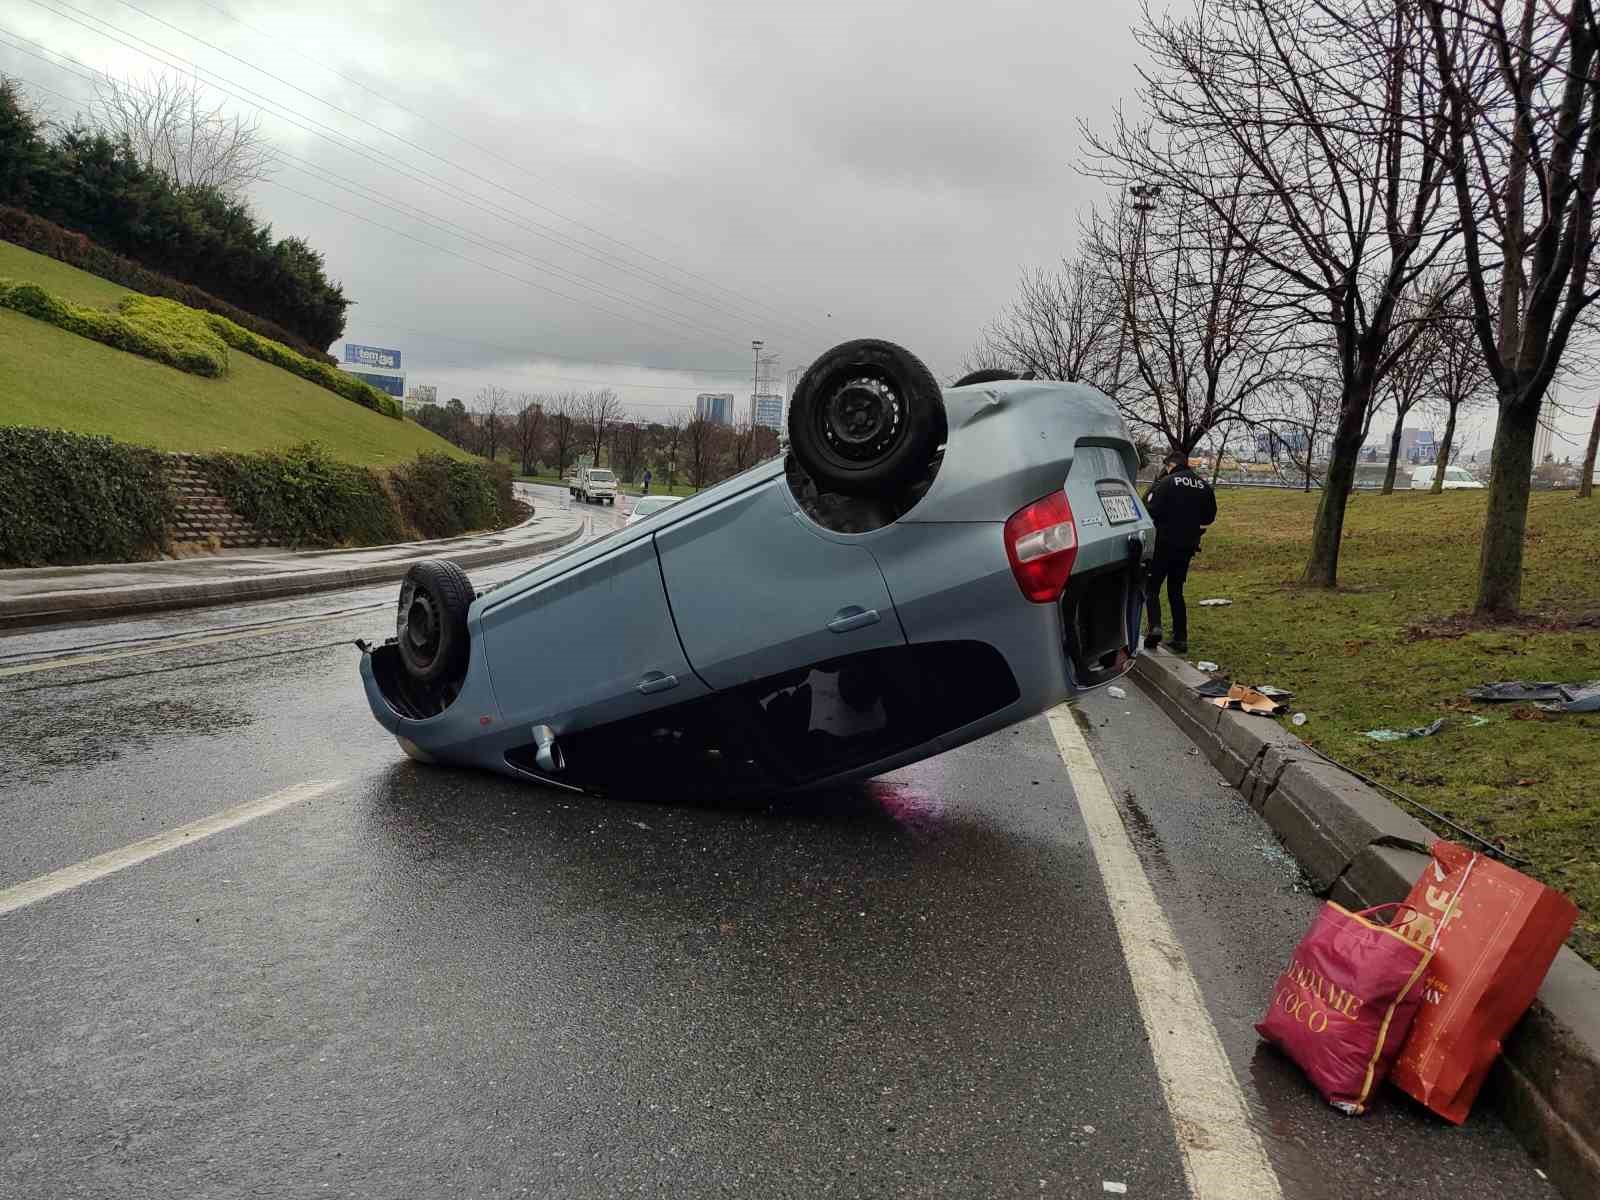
<point>1457,474</point>
<point>602,476</point>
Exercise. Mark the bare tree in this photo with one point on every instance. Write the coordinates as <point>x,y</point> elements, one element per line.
<point>1062,325</point>
<point>490,406</point>
<point>1205,345</point>
<point>529,430</point>
<point>1325,116</point>
<point>672,441</point>
<point>599,408</point>
<point>1525,162</point>
<point>1460,377</point>
<point>171,125</point>
<point>1412,378</point>
<point>627,449</point>
<point>564,429</point>
<point>701,441</point>
<point>1586,484</point>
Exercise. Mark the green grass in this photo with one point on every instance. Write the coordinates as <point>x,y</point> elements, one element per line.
<point>56,379</point>
<point>1393,649</point>
<point>67,282</point>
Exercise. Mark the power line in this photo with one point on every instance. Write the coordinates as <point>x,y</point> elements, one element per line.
<point>451,228</point>
<point>339,139</point>
<point>455,254</point>
<point>419,148</point>
<point>460,137</point>
<point>640,366</point>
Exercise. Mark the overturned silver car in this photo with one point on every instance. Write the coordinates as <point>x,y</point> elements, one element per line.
<point>925,567</point>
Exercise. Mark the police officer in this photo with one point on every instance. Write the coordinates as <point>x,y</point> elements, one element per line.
<point>1182,505</point>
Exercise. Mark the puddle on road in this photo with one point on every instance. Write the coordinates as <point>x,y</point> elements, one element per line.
<point>43,743</point>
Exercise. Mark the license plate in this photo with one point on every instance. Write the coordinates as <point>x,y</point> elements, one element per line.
<point>1119,509</point>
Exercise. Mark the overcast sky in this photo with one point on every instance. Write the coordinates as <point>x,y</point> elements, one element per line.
<point>688,176</point>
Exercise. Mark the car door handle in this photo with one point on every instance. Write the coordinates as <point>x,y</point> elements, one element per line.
<point>853,618</point>
<point>657,681</point>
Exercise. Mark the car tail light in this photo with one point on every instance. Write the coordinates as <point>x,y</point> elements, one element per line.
<point>1042,543</point>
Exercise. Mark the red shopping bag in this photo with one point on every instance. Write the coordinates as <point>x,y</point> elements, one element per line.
<point>1493,947</point>
<point>1343,1005</point>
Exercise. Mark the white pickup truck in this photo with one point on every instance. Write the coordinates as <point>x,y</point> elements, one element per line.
<point>595,485</point>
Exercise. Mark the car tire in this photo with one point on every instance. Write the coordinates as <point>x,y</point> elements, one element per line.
<point>431,622</point>
<point>866,417</point>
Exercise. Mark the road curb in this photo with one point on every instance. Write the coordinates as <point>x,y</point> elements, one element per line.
<point>1359,849</point>
<point>53,608</point>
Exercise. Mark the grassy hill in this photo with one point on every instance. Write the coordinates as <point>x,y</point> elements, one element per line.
<point>1393,648</point>
<point>56,379</point>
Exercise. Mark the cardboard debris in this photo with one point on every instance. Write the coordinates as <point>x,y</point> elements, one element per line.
<point>1250,700</point>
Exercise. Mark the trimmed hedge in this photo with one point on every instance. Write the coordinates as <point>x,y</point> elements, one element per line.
<point>52,240</point>
<point>301,497</point>
<point>73,498</point>
<point>160,333</point>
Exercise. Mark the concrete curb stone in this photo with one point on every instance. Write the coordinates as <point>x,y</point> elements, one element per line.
<point>1359,849</point>
<point>104,603</point>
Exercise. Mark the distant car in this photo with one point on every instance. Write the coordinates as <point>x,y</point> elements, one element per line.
<point>647,506</point>
<point>1455,479</point>
<point>596,485</point>
<point>922,569</point>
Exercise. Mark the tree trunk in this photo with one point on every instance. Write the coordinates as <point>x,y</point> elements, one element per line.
<point>1322,569</point>
<point>1506,521</point>
<point>1586,484</point>
<point>1394,458</point>
<point>1443,460</point>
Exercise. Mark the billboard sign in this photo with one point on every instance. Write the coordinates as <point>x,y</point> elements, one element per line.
<point>394,385</point>
<point>372,356</point>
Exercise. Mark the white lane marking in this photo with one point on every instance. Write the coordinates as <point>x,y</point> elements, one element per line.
<point>1222,1156</point>
<point>90,869</point>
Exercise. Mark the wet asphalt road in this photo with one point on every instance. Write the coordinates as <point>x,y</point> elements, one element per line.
<point>427,982</point>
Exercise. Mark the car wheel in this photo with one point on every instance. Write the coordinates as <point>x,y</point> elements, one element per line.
<point>431,623</point>
<point>866,417</point>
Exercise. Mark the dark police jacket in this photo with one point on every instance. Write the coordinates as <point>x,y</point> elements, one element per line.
<point>1182,505</point>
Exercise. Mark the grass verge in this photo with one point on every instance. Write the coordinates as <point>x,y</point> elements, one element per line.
<point>1392,649</point>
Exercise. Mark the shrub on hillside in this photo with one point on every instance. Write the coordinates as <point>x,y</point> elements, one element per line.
<point>440,496</point>
<point>72,498</point>
<point>336,381</point>
<point>303,497</point>
<point>156,333</point>
<point>47,238</point>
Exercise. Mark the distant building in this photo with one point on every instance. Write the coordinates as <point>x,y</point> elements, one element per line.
<point>716,407</point>
<point>419,395</point>
<point>767,410</point>
<point>1417,446</point>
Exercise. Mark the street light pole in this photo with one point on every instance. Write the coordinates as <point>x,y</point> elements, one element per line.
<point>755,378</point>
<point>1144,202</point>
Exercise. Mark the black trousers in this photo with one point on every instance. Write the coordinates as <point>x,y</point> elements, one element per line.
<point>1169,566</point>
